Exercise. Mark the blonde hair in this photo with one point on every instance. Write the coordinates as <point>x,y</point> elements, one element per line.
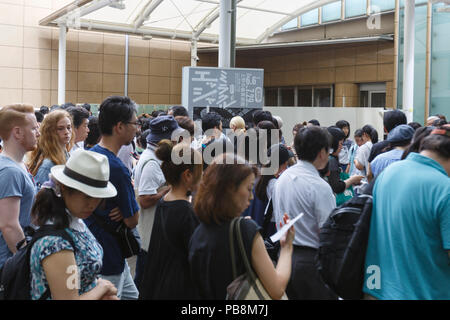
<point>11,116</point>
<point>238,123</point>
<point>48,144</point>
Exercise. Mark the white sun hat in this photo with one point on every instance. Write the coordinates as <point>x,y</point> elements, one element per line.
<point>88,172</point>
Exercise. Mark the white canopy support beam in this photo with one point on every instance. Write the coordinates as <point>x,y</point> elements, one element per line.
<point>249,8</point>
<point>282,22</point>
<point>73,17</point>
<point>62,65</point>
<point>408,59</point>
<point>151,6</point>
<point>147,31</point>
<point>208,20</point>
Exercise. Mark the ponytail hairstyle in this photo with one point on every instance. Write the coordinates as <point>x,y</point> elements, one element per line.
<point>371,132</point>
<point>190,160</point>
<point>49,206</point>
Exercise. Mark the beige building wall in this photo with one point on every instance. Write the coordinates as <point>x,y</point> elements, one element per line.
<point>345,66</point>
<point>95,62</point>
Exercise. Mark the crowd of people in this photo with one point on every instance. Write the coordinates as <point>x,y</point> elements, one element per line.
<point>177,194</point>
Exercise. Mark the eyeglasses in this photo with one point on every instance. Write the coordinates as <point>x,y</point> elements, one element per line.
<point>135,122</point>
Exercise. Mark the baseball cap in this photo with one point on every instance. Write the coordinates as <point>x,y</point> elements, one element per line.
<point>401,132</point>
<point>163,127</point>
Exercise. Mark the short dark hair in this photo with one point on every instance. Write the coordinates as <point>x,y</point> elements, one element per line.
<point>113,110</point>
<point>179,111</point>
<point>145,123</point>
<point>67,105</point>
<point>78,115</point>
<point>438,143</point>
<point>158,113</point>
<point>393,118</point>
<point>309,141</point>
<point>414,125</point>
<point>261,115</point>
<point>211,120</point>
<point>358,133</point>
<point>337,135</point>
<point>39,116</point>
<point>314,122</point>
<point>341,124</point>
<point>186,123</point>
<point>87,106</point>
<point>420,134</point>
<point>44,110</point>
<point>268,126</point>
<point>439,122</point>
<point>94,132</point>
<point>142,138</point>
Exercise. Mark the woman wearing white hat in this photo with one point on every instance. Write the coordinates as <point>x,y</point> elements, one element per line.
<point>57,268</point>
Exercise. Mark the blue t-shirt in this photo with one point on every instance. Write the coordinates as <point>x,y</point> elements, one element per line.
<point>385,159</point>
<point>42,173</point>
<point>409,239</point>
<point>15,182</point>
<point>119,176</point>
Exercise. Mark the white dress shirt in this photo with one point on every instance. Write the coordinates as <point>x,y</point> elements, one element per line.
<point>300,189</point>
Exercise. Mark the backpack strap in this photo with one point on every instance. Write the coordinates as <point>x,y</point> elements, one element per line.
<point>49,230</point>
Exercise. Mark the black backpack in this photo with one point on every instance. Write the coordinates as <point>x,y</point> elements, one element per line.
<point>15,279</point>
<point>343,243</point>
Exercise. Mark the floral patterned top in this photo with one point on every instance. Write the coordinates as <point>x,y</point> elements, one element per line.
<point>88,255</point>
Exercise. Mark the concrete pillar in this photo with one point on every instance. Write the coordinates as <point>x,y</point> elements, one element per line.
<point>408,60</point>
<point>62,65</point>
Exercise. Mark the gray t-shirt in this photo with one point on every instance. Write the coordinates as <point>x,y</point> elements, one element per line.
<point>15,182</point>
<point>148,179</point>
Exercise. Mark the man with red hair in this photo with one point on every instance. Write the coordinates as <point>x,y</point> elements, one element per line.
<point>19,131</point>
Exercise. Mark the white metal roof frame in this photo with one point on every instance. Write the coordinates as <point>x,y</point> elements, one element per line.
<point>180,19</point>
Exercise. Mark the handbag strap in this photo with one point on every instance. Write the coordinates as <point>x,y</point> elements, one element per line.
<point>248,267</point>
<point>232,254</point>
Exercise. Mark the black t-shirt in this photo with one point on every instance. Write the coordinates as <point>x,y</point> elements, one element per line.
<point>210,260</point>
<point>377,149</point>
<point>166,274</point>
<point>334,178</point>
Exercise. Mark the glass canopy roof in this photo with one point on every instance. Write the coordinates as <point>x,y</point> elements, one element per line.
<point>256,20</point>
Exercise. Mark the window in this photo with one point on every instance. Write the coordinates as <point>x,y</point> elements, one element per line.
<point>310,18</point>
<point>355,8</point>
<point>381,5</point>
<point>322,97</point>
<point>271,97</point>
<point>372,95</point>
<point>378,99</point>
<point>331,12</point>
<point>290,25</point>
<point>304,97</point>
<point>287,97</point>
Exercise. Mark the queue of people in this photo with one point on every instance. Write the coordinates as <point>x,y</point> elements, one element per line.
<point>177,194</point>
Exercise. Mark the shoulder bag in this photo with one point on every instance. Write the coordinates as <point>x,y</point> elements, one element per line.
<point>129,245</point>
<point>247,286</point>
